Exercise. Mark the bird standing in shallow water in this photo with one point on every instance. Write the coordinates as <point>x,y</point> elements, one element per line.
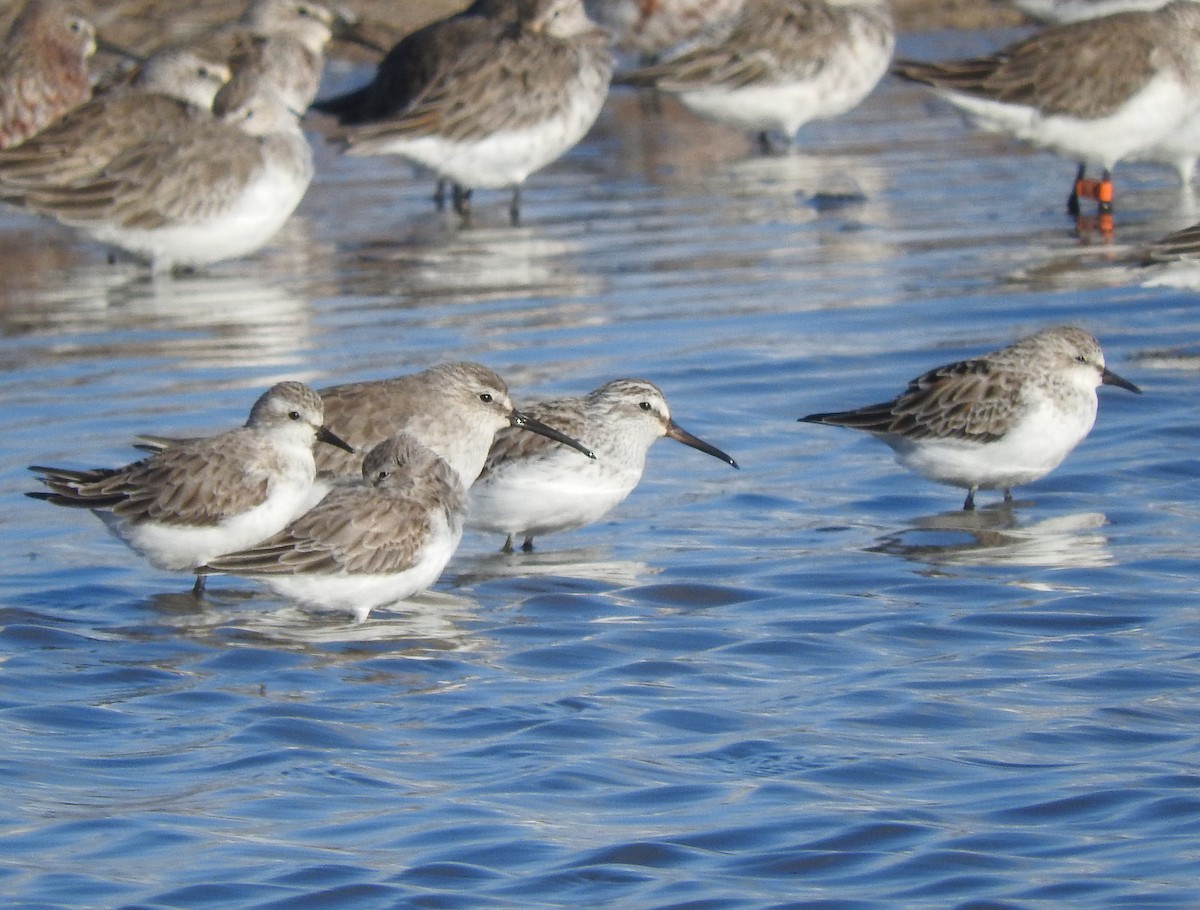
<point>532,486</point>
<point>779,64</point>
<point>1098,91</point>
<point>366,544</point>
<point>203,497</point>
<point>997,421</point>
<point>219,189</point>
<point>484,99</point>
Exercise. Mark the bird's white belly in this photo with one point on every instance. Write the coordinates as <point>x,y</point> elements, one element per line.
<point>840,85</point>
<point>359,594</point>
<point>1036,445</point>
<point>500,160</point>
<point>1148,116</point>
<point>529,502</point>
<point>180,547</point>
<point>245,225</point>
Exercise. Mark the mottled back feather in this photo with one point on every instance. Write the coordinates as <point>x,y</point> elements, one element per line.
<point>1083,69</point>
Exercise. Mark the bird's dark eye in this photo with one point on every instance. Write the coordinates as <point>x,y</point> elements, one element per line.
<point>293,415</point>
<point>486,397</point>
<point>644,405</point>
<point>382,475</point>
<point>1079,358</point>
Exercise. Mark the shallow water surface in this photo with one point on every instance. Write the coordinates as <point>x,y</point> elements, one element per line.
<point>813,682</point>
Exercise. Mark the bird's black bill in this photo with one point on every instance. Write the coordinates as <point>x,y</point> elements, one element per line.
<point>103,44</point>
<point>324,435</point>
<point>1108,377</point>
<point>679,434</point>
<point>517,419</point>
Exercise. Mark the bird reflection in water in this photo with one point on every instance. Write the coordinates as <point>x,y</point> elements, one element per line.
<point>994,536</point>
<point>430,621</point>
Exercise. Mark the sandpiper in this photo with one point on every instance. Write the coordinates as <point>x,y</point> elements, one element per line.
<point>204,497</point>
<point>286,45</point>
<point>531,486</point>
<point>483,101</point>
<point>1098,90</point>
<point>166,93</point>
<point>996,421</point>
<point>366,544</point>
<point>779,64</point>
<point>283,41</point>
<point>218,190</point>
<point>455,409</point>
<point>43,68</point>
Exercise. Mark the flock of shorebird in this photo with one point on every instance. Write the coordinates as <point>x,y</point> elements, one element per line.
<point>357,496</point>
<point>374,514</point>
<point>196,154</point>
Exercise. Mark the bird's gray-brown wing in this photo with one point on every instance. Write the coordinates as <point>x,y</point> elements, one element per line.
<point>199,484</point>
<point>410,68</point>
<point>90,137</point>
<point>1086,69</point>
<point>159,182</point>
<point>967,400</point>
<point>354,530</point>
<point>1181,244</point>
<point>793,43</point>
<point>515,444</point>
<point>507,79</point>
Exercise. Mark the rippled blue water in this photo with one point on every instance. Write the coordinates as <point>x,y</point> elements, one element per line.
<point>809,683</point>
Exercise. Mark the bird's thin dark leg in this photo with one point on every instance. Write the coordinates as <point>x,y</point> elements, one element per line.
<point>507,548</point>
<point>1073,199</point>
<point>198,587</point>
<point>439,194</point>
<point>462,200</point>
<point>528,545</point>
<point>514,207</point>
<point>1008,494</point>
<point>969,504</point>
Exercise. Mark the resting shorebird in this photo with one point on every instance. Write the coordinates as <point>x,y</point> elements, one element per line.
<point>165,94</point>
<point>366,544</point>
<point>204,497</point>
<point>219,189</point>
